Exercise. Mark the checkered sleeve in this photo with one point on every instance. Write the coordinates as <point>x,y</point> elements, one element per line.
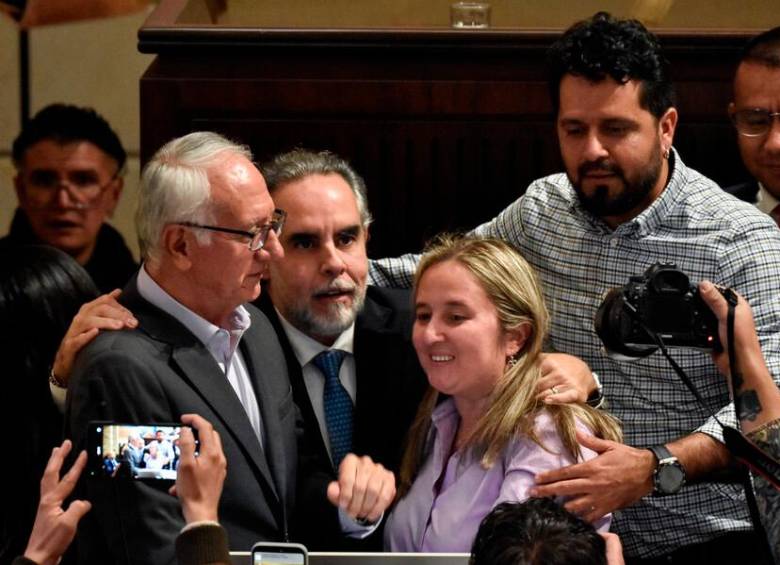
<point>750,266</point>
<point>399,271</point>
<point>508,225</point>
<point>393,272</point>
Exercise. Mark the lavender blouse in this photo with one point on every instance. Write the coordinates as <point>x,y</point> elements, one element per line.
<point>427,520</point>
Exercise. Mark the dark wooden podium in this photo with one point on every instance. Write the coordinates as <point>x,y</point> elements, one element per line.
<point>447,126</point>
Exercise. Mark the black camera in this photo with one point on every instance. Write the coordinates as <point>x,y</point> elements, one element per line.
<point>663,301</point>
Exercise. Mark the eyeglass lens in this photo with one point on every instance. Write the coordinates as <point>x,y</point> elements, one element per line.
<point>276,224</point>
<point>82,186</point>
<point>754,122</point>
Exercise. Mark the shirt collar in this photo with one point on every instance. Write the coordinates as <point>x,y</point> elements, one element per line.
<point>444,410</point>
<point>307,348</point>
<point>765,200</point>
<point>200,327</point>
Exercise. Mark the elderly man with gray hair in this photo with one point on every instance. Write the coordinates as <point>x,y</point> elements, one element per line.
<point>208,231</point>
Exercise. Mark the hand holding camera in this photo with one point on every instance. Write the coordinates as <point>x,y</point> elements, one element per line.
<point>661,301</point>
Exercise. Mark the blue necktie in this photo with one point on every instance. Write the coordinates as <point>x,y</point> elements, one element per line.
<point>337,403</point>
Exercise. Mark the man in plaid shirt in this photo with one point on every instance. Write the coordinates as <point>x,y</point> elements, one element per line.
<point>627,201</point>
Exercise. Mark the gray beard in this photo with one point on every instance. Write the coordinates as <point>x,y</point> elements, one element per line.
<point>332,324</point>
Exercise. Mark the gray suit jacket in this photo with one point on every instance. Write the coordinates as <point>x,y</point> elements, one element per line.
<point>156,373</point>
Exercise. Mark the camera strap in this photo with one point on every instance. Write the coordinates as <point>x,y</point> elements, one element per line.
<point>738,445</point>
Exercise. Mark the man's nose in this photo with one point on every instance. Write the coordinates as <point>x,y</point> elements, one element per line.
<point>65,197</point>
<point>332,261</point>
<point>594,149</point>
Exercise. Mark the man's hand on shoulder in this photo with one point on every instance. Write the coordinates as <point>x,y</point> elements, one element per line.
<point>364,489</point>
<point>618,477</point>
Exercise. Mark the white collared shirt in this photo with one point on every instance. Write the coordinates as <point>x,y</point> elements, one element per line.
<point>306,349</point>
<point>765,200</point>
<point>220,342</point>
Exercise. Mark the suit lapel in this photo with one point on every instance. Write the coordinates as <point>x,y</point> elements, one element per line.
<point>278,454</point>
<point>197,367</point>
<point>372,320</point>
<point>201,370</point>
<point>296,379</point>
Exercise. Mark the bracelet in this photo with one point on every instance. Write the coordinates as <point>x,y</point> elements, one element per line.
<point>54,380</point>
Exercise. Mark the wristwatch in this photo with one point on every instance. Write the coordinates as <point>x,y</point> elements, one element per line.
<point>669,474</point>
<point>596,398</point>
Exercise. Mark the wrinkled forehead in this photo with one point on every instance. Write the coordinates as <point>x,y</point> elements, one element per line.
<point>239,193</point>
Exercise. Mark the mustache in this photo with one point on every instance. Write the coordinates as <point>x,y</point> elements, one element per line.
<point>600,166</point>
<point>335,286</point>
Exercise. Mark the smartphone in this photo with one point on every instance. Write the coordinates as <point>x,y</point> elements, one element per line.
<point>279,554</point>
<point>145,452</point>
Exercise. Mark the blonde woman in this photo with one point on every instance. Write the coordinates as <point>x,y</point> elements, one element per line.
<point>481,434</point>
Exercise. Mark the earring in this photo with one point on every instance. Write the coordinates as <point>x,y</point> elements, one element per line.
<point>666,154</point>
<point>511,362</point>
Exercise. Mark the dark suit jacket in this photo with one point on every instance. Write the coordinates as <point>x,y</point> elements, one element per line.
<point>747,191</point>
<point>390,385</point>
<point>155,374</point>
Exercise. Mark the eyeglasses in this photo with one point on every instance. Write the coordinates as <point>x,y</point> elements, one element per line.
<point>754,122</point>
<point>83,187</point>
<point>257,236</point>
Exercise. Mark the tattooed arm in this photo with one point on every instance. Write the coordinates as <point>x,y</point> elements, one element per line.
<point>757,397</point>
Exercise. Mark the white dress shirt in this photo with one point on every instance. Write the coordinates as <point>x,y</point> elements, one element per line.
<point>306,349</point>
<point>765,201</point>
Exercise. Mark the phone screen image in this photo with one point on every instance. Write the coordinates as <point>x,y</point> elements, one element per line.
<point>273,558</point>
<point>141,452</point>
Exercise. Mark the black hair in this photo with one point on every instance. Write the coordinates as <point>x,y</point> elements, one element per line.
<point>41,289</point>
<point>623,50</point>
<point>65,123</point>
<point>537,531</point>
<point>763,49</point>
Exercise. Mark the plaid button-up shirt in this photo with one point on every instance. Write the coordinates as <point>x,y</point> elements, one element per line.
<point>706,233</point>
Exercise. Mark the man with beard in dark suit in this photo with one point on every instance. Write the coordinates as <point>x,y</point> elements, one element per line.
<point>208,230</point>
<point>318,302</point>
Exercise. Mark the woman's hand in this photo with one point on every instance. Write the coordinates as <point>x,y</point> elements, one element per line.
<point>565,379</point>
<point>103,313</point>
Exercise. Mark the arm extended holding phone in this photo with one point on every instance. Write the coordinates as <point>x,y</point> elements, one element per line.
<point>202,470</point>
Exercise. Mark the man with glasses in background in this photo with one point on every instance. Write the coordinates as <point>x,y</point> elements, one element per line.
<point>755,112</point>
<point>69,167</point>
<point>208,231</point>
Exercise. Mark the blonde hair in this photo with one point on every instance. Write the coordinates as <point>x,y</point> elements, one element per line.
<point>514,289</point>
